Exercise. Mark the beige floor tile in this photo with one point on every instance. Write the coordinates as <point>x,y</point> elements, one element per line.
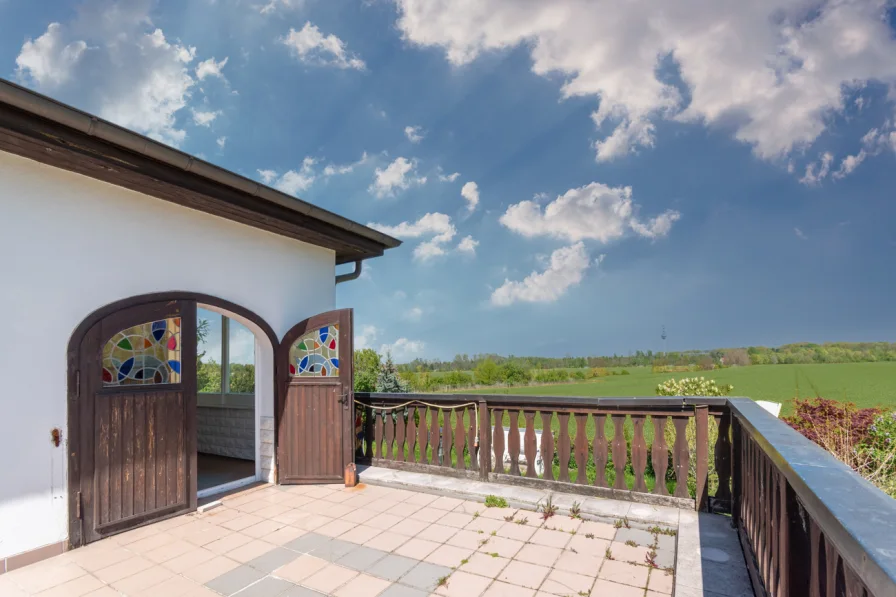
<point>316,491</point>
<point>219,516</point>
<point>482,523</point>
<point>410,527</point>
<point>416,548</point>
<point>382,505</point>
<point>346,493</point>
<point>383,520</point>
<point>502,589</point>
<point>73,588</point>
<point>7,587</point>
<point>188,560</point>
<point>660,581</point>
<point>605,588</point>
<point>201,591</point>
<point>462,584</point>
<point>360,534</point>
<point>297,501</point>
<point>205,537</point>
<point>271,511</point>
<point>338,510</point>
<point>301,568</point>
<point>428,514</point>
<point>210,569</point>
<point>538,554</point>
<point>249,551</point>
<point>228,543</point>
<point>624,573</point>
<point>550,538</point>
<point>506,548</point>
<point>600,530</point>
<point>172,523</point>
<point>259,530</point>
<point>362,585</point>
<point>191,528</point>
<point>627,553</point>
<point>150,543</point>
<point>329,578</point>
<point>591,547</point>
<point>435,532</point>
<point>104,592</point>
<point>485,565</point>
<point>317,507</point>
<point>580,563</point>
<point>446,503</point>
<point>142,580</point>
<point>498,513</point>
<point>468,539</point>
<point>448,555</point>
<point>123,569</point>
<point>519,532</point>
<point>561,582</point>
<point>387,541</point>
<point>421,499</point>
<point>310,523</point>
<point>99,555</point>
<point>563,523</point>
<point>135,535</point>
<point>284,535</point>
<point>169,551</point>
<point>360,515</point>
<point>455,519</point>
<point>524,574</point>
<point>176,586</point>
<point>469,507</point>
<point>242,522</point>
<point>336,528</point>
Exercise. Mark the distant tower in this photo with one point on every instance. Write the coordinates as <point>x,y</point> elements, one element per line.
<point>663,336</point>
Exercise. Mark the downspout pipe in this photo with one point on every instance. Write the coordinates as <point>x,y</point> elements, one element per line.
<point>340,278</point>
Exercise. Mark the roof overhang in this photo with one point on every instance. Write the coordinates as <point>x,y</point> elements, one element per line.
<point>40,128</point>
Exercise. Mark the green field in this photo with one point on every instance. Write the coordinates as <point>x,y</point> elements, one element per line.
<point>866,384</point>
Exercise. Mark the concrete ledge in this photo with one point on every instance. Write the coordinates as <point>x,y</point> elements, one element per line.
<point>710,562</point>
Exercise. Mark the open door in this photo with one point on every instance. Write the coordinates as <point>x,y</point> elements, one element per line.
<point>314,433</point>
<point>134,450</point>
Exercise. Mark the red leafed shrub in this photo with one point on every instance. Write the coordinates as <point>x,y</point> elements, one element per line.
<point>828,422</point>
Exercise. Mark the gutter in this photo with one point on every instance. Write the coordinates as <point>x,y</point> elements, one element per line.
<point>340,278</point>
<point>65,115</point>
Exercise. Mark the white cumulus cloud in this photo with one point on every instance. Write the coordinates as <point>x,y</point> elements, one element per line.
<point>400,175</point>
<point>437,227</point>
<point>205,117</point>
<point>414,314</point>
<point>771,71</point>
<point>221,141</point>
<point>566,268</point>
<point>311,46</point>
<point>365,337</point>
<point>448,177</point>
<point>403,349</point>
<point>595,211</point>
<point>414,133</point>
<point>468,245</point>
<point>291,182</point>
<point>816,172</point>
<point>470,192</point>
<point>211,68</point>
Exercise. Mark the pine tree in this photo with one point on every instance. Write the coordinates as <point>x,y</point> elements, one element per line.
<point>388,381</point>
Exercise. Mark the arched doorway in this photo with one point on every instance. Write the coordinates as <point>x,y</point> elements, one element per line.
<point>132,410</point>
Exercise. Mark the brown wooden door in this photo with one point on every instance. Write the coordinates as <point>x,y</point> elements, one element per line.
<point>136,430</point>
<point>315,424</point>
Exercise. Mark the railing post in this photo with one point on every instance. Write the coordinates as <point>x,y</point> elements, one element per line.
<point>736,471</point>
<point>702,420</point>
<point>485,440</point>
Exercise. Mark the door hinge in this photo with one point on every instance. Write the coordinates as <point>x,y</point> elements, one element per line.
<point>78,505</point>
<point>77,384</point>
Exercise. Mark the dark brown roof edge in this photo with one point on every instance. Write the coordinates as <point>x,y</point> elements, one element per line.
<point>40,105</point>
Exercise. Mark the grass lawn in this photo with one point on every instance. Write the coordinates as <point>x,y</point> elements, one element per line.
<point>866,384</point>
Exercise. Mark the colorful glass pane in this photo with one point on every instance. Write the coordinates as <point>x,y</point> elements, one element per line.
<point>316,354</point>
<point>148,353</point>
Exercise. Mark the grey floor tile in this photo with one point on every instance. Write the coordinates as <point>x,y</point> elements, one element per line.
<point>665,558</point>
<point>307,542</point>
<point>267,587</point>
<point>666,542</point>
<point>235,580</point>
<point>301,592</point>
<point>361,558</point>
<point>333,550</point>
<point>425,576</point>
<point>270,561</point>
<point>637,535</point>
<point>392,567</point>
<point>403,591</point>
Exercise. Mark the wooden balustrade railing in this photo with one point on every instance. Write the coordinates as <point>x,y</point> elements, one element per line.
<point>602,447</point>
<point>810,526</point>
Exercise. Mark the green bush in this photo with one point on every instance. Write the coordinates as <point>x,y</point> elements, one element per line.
<point>692,386</point>
<point>552,376</point>
<point>456,379</point>
<point>487,373</point>
<point>513,374</point>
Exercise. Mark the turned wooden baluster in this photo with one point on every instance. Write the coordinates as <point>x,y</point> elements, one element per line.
<point>459,439</point>
<point>447,442</point>
<point>682,457</point>
<point>400,428</point>
<point>378,434</point>
<point>564,447</point>
<point>434,433</point>
<point>472,438</point>
<point>547,444</point>
<point>639,453</point>
<point>620,451</point>
<point>368,431</point>
<point>498,441</point>
<point>389,422</point>
<point>581,451</point>
<point>659,455</point>
<point>530,448</point>
<point>422,436</point>
<point>723,459</point>
<point>513,442</point>
<point>412,433</point>
<point>600,450</point>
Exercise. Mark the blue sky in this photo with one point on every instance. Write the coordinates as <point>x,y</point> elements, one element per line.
<point>724,169</point>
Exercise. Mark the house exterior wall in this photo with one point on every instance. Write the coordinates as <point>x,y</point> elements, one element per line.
<point>70,245</point>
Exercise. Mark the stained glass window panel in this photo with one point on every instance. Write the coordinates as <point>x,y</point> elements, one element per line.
<point>316,354</point>
<point>145,354</point>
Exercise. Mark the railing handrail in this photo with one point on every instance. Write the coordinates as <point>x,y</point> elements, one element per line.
<point>855,516</point>
<point>575,401</point>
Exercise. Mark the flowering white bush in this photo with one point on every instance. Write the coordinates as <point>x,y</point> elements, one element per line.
<point>692,386</point>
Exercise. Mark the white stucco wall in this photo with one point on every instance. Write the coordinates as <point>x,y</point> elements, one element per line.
<point>69,245</point>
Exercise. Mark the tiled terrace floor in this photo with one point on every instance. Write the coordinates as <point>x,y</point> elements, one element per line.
<point>309,541</point>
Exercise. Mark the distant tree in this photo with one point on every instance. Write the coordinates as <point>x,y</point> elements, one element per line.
<point>388,380</point>
<point>513,374</point>
<point>367,366</point>
<point>736,356</point>
<point>487,373</point>
<point>242,378</point>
